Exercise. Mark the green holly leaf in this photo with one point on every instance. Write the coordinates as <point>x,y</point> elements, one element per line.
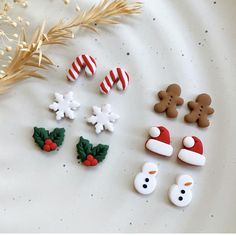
<point>84,148</point>
<point>40,135</point>
<point>57,136</point>
<point>100,151</point>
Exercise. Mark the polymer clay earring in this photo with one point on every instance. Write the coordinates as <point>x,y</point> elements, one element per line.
<point>49,141</point>
<point>118,76</point>
<point>180,194</point>
<point>85,62</point>
<point>145,181</point>
<point>192,151</point>
<point>159,141</point>
<point>103,118</point>
<point>169,100</point>
<point>90,155</point>
<point>200,110</point>
<point>64,106</point>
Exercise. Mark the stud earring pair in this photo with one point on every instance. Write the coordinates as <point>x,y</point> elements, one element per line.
<point>199,109</point>
<point>191,151</point>
<point>180,194</point>
<point>88,154</point>
<point>85,62</point>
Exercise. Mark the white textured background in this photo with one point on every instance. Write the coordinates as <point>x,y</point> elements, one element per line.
<point>187,42</point>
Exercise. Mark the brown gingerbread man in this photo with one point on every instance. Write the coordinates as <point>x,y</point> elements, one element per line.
<point>199,110</point>
<point>169,99</point>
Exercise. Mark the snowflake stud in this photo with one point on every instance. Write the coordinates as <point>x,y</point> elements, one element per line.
<point>103,118</point>
<point>64,106</point>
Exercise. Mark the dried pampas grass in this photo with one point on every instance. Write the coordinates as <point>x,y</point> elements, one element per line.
<point>29,58</point>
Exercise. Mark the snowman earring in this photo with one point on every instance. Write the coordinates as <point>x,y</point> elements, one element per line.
<point>145,181</point>
<point>180,194</point>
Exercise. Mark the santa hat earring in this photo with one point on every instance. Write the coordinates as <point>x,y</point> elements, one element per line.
<point>159,141</point>
<point>192,151</point>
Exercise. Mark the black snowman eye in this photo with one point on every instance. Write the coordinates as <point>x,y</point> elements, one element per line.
<point>147,180</point>
<point>144,186</point>
<point>183,191</point>
<point>180,198</point>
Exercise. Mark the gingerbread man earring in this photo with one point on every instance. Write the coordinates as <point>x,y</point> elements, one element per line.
<point>169,100</point>
<point>199,110</point>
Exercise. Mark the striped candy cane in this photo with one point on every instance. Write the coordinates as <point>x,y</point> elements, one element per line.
<point>118,76</point>
<point>85,62</point>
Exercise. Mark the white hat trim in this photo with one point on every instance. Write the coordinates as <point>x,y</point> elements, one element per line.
<point>158,147</point>
<point>191,157</point>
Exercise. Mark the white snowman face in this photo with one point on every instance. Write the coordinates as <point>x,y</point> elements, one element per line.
<point>145,182</point>
<point>180,194</point>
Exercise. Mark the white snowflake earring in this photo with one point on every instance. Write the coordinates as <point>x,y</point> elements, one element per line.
<point>103,118</point>
<point>64,106</point>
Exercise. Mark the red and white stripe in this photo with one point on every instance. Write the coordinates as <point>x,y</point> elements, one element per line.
<point>118,76</point>
<point>85,62</point>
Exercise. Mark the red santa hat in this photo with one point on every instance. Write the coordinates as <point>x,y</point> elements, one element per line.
<point>192,151</point>
<point>160,141</point>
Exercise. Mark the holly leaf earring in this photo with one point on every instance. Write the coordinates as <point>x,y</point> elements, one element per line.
<point>89,155</point>
<point>48,141</point>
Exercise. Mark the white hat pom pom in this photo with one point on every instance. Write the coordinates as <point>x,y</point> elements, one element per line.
<point>188,142</point>
<point>154,132</point>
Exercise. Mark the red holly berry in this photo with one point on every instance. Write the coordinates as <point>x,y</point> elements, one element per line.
<point>87,163</point>
<point>94,162</point>
<point>48,141</point>
<point>90,157</point>
<point>53,146</point>
<point>46,148</point>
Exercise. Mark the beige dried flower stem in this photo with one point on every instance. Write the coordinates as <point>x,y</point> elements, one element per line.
<point>29,58</point>
<point>103,14</point>
<point>26,61</point>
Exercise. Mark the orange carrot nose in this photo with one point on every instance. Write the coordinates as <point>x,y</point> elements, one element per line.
<point>188,184</point>
<point>152,172</point>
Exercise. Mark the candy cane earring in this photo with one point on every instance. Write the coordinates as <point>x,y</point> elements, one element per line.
<point>85,62</point>
<point>118,76</point>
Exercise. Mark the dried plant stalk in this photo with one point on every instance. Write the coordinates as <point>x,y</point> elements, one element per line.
<point>29,57</point>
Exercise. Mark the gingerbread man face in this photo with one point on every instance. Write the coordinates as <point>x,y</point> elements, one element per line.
<point>174,89</point>
<point>204,99</point>
<point>199,111</point>
<point>169,99</point>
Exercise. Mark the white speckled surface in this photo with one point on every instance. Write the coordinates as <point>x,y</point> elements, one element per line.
<point>188,42</point>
